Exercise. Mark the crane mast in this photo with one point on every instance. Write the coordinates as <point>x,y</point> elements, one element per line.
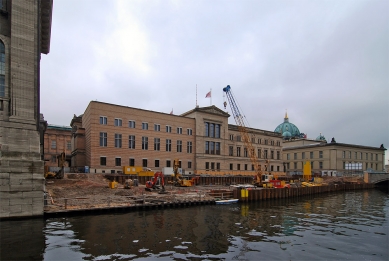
<point>239,119</point>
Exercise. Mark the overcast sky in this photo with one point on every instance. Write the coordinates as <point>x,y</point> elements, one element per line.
<point>325,62</point>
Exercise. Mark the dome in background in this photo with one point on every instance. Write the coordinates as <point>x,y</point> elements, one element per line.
<point>321,138</point>
<point>288,130</point>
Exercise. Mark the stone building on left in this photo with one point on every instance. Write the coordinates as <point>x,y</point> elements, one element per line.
<point>25,31</point>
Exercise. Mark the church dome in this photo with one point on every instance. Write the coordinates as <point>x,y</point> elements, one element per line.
<point>321,138</point>
<point>288,129</point>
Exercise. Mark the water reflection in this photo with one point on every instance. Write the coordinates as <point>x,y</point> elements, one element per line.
<point>336,226</point>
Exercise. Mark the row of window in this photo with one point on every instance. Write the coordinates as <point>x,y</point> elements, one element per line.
<point>346,166</point>
<point>145,163</point>
<point>145,143</point>
<point>212,130</point>
<point>359,155</point>
<point>265,154</point>
<point>259,141</point>
<point>54,145</point>
<point>311,155</point>
<point>145,125</point>
<point>2,69</point>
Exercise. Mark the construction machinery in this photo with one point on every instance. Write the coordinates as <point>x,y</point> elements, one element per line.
<point>179,180</point>
<point>61,172</point>
<point>259,179</point>
<point>156,183</point>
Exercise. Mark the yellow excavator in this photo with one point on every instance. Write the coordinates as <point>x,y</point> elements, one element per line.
<point>60,173</point>
<point>179,180</point>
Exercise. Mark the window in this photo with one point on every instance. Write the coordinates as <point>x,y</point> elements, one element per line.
<point>244,152</point>
<point>238,166</point>
<point>303,155</point>
<point>207,147</point>
<point>295,156</point>
<point>156,163</point>
<point>145,143</point>
<point>376,157</point>
<point>189,131</point>
<point>371,157</point>
<point>131,141</point>
<point>245,166</point>
<point>168,163</point>
<point>189,164</point>
<point>145,126</point>
<point>168,128</point>
<point>118,122</point>
<point>278,155</point>
<point>103,139</point>
<point>321,154</point>
<point>189,147</point>
<point>69,145</point>
<point>53,144</point>
<point>265,152</point>
<point>206,165</point>
<point>157,144</point>
<point>260,141</point>
<point>157,127</point>
<point>320,165</point>
<point>238,138</point>
<point>206,129</point>
<point>312,164</point>
<point>259,153</point>
<point>265,142</point>
<point>53,159</point>
<point>218,165</point>
<point>288,156</point>
<point>168,145</point>
<point>361,156</point>
<point>343,154</point>
<point>179,130</point>
<point>131,162</point>
<point>311,155</point>
<point>238,151</point>
<point>231,151</point>
<point>271,168</point>
<point>131,124</point>
<point>103,161</point>
<point>295,165</point>
<point>231,166</point>
<point>144,163</point>
<point>217,130</point>
<point>103,120</point>
<point>213,165</point>
<point>2,69</point>
<point>231,136</point>
<point>349,154</point>
<point>118,162</point>
<point>211,147</point>
<point>367,156</point>
<point>118,140</point>
<point>272,154</point>
<point>217,148</point>
<point>179,146</point>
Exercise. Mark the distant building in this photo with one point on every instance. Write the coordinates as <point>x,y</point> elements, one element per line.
<point>57,139</point>
<point>107,137</point>
<point>331,158</point>
<point>25,29</point>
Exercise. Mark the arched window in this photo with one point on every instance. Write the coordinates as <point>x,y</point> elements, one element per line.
<point>2,69</point>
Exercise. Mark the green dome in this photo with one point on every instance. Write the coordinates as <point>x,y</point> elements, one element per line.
<point>321,138</point>
<point>287,129</point>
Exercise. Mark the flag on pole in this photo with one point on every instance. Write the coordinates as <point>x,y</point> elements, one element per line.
<point>171,111</point>
<point>208,95</point>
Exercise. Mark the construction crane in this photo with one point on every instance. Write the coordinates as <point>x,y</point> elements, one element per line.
<point>239,119</point>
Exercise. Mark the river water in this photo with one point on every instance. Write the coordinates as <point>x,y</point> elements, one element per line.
<point>334,226</point>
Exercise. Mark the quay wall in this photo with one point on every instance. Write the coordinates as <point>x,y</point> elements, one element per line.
<point>259,194</point>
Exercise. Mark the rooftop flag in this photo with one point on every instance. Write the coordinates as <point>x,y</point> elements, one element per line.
<point>208,95</point>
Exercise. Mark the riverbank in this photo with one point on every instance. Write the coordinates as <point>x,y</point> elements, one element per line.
<point>91,193</point>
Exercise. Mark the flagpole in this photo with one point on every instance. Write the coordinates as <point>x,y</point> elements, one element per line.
<point>196,95</point>
<point>211,97</point>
